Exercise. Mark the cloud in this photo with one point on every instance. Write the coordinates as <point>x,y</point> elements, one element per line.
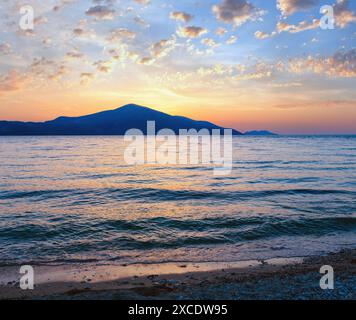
<point>217,76</point>
<point>119,54</point>
<point>231,40</point>
<point>158,50</point>
<point>40,69</point>
<point>182,16</point>
<point>86,78</point>
<point>261,35</point>
<point>47,42</point>
<point>288,7</point>
<point>45,69</point>
<point>341,64</point>
<point>103,66</point>
<point>292,84</point>
<point>221,32</point>
<point>209,42</point>
<point>343,16</point>
<point>74,55</point>
<point>143,2</point>
<point>120,34</point>
<point>258,71</point>
<point>12,81</point>
<point>5,48</point>
<point>101,12</point>
<point>217,69</point>
<point>62,4</point>
<point>301,26</point>
<point>80,32</point>
<point>147,61</point>
<point>162,48</point>
<point>236,12</point>
<point>59,73</point>
<point>191,32</point>
<point>40,20</point>
<point>141,22</point>
<point>115,54</point>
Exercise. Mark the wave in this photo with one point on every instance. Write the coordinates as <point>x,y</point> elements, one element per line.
<point>155,194</point>
<point>167,232</point>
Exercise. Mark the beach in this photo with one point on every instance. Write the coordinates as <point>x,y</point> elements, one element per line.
<point>275,279</point>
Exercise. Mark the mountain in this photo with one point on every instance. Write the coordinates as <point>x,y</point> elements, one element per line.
<point>112,122</point>
<point>260,133</point>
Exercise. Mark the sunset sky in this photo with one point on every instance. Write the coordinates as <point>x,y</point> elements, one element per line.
<point>244,64</point>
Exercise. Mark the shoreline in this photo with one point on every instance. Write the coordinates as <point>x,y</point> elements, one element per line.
<point>281,278</point>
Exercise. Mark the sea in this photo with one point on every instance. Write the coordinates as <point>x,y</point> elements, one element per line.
<point>67,200</point>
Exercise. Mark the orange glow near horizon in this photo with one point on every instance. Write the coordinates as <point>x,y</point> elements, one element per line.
<point>298,117</point>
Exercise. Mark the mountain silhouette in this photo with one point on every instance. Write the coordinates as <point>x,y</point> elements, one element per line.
<point>112,122</point>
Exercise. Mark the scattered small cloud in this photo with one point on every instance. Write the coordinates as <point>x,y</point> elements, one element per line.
<point>261,35</point>
<point>301,26</point>
<point>221,31</point>
<point>288,7</point>
<point>86,78</point>
<point>343,16</point>
<point>191,32</point>
<point>341,64</point>
<point>181,16</point>
<point>260,70</point>
<point>231,40</point>
<point>103,66</point>
<point>143,2</point>
<point>40,20</point>
<point>5,48</point>
<point>236,12</point>
<point>12,81</point>
<point>46,69</point>
<point>147,61</point>
<point>120,34</point>
<point>101,12</point>
<point>162,48</point>
<point>209,42</point>
<point>141,22</point>
<point>74,55</point>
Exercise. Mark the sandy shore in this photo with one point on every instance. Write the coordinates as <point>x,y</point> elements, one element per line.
<point>295,278</point>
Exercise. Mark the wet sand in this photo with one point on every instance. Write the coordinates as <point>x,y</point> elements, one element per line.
<point>293,278</point>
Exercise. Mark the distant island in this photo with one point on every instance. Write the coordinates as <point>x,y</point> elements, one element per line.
<point>260,133</point>
<point>111,122</point>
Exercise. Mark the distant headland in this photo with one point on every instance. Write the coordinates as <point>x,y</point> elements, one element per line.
<point>111,122</point>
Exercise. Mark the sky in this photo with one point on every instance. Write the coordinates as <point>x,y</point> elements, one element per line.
<point>249,65</point>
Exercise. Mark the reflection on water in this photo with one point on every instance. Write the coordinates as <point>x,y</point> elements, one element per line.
<point>75,199</point>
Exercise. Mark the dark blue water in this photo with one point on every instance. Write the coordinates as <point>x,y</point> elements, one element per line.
<point>74,199</point>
